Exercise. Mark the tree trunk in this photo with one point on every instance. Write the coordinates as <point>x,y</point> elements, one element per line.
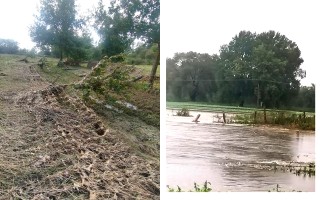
<point>61,55</point>
<point>154,68</point>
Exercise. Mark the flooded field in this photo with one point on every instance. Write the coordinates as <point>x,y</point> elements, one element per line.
<point>236,157</point>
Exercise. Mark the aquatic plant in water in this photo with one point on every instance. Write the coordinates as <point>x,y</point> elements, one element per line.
<point>197,188</point>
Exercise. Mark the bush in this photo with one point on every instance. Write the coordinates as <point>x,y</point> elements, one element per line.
<point>183,112</point>
<point>117,58</point>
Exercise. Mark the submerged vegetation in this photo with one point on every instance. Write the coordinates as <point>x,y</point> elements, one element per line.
<point>297,169</point>
<point>183,112</point>
<point>247,115</point>
<point>197,188</point>
<point>289,119</point>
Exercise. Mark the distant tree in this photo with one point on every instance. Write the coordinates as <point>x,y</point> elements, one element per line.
<point>57,28</point>
<point>305,98</point>
<point>234,72</point>
<point>190,76</point>
<point>143,54</point>
<point>8,46</point>
<point>82,48</point>
<point>264,66</point>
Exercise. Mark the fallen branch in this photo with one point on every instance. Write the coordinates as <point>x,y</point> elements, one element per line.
<point>137,78</point>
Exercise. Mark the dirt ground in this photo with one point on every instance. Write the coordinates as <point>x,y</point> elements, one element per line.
<point>52,146</point>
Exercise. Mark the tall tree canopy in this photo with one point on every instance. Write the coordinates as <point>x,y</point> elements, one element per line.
<point>57,27</point>
<point>114,30</point>
<point>268,62</point>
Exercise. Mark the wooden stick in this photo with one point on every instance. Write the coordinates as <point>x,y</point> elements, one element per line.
<point>196,119</point>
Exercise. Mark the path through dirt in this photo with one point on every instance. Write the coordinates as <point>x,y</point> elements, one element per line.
<point>52,146</point>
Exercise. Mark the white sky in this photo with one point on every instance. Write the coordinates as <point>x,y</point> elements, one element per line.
<point>17,15</point>
<point>204,25</point>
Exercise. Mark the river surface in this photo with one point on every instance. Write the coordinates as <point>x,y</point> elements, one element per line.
<point>232,157</point>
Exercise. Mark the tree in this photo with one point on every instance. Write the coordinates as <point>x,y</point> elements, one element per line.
<point>127,20</point>
<point>235,65</point>
<point>57,27</point>
<point>190,76</point>
<point>143,54</point>
<point>277,61</point>
<point>8,46</point>
<point>148,29</point>
<point>305,98</point>
<point>113,28</point>
<point>264,66</point>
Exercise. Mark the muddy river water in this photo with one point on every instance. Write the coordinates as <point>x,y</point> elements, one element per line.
<point>235,157</point>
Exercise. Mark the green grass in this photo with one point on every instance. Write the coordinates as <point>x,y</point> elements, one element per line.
<point>146,69</point>
<point>221,108</point>
<point>59,75</point>
<point>246,115</point>
<point>13,76</point>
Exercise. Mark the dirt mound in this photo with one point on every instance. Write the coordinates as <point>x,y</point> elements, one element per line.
<point>68,151</point>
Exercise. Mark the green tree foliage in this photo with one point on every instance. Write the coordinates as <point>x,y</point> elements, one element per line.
<point>190,76</point>
<point>234,68</point>
<point>113,28</point>
<point>251,69</point>
<point>142,55</point>
<point>8,46</point>
<point>127,20</point>
<point>305,98</point>
<point>56,29</point>
<point>269,62</point>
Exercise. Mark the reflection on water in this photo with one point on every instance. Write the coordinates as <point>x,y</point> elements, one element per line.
<point>228,155</point>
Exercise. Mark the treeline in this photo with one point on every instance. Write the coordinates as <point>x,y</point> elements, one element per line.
<point>261,70</point>
<point>60,31</point>
<point>8,46</point>
<point>141,55</point>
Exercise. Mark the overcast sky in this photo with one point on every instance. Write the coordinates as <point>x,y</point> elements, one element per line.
<point>204,25</point>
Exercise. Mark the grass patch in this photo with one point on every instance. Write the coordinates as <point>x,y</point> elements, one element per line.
<point>61,75</point>
<point>215,107</point>
<point>146,69</point>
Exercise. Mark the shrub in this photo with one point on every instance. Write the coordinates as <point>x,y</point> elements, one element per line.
<point>183,112</point>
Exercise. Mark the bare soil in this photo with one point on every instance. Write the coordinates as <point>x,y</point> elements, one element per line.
<point>52,146</point>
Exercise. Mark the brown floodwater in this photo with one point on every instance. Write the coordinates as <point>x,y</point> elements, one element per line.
<point>235,157</point>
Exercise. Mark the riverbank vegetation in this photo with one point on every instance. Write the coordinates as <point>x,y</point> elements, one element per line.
<point>246,115</point>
